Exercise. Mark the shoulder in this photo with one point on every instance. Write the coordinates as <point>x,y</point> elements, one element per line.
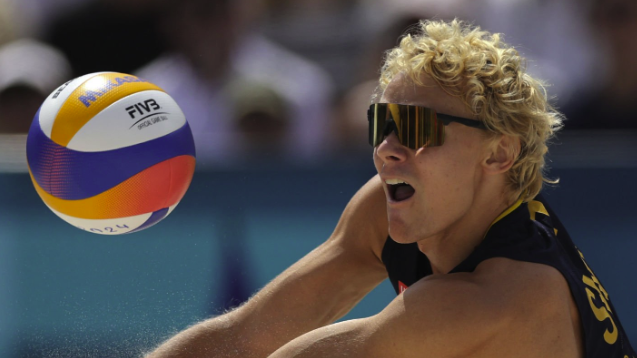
<point>503,283</point>
<point>529,289</point>
<point>501,307</point>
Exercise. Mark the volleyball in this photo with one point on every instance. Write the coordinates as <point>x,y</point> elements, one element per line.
<point>110,153</point>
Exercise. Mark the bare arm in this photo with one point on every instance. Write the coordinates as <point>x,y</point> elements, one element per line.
<point>490,313</point>
<point>433,318</point>
<point>315,291</point>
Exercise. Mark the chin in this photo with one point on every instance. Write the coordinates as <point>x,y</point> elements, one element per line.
<point>400,235</point>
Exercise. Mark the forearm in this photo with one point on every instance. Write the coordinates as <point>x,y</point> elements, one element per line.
<point>312,293</point>
<point>223,336</point>
<point>343,339</point>
<point>286,309</point>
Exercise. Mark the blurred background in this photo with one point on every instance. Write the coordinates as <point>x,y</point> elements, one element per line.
<point>276,93</point>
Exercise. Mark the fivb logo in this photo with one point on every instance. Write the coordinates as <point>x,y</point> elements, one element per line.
<point>147,110</point>
<point>91,96</point>
<point>141,108</point>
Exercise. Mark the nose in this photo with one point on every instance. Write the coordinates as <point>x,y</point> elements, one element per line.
<point>391,151</point>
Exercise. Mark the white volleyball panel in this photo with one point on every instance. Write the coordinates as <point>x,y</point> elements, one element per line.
<point>116,226</point>
<point>56,99</point>
<point>171,208</point>
<point>134,119</point>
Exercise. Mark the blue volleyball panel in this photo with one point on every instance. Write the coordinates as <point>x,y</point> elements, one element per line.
<point>154,218</point>
<point>71,175</point>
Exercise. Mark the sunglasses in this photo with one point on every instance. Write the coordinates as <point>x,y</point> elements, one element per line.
<point>415,126</point>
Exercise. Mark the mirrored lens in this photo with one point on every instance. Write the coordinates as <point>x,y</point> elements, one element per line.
<point>415,126</point>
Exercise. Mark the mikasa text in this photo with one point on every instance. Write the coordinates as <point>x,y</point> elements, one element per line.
<point>91,96</point>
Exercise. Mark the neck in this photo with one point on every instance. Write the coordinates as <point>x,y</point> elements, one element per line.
<point>448,249</point>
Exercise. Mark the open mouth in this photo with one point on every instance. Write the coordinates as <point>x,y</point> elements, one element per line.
<point>399,190</point>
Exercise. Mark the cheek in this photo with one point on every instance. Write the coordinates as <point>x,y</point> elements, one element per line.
<point>450,175</point>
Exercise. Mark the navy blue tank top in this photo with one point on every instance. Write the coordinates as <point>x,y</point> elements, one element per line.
<point>530,232</point>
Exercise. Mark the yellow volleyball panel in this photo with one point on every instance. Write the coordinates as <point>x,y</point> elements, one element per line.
<point>92,97</point>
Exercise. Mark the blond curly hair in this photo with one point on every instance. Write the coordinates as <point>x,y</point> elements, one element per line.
<point>489,75</point>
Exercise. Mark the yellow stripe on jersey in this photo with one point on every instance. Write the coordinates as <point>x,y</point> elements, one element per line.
<point>537,207</point>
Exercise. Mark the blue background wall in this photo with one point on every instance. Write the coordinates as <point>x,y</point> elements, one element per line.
<point>67,293</point>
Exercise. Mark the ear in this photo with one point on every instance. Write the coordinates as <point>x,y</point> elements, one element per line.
<point>502,154</point>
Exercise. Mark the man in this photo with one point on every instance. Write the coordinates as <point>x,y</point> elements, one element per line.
<point>482,267</point>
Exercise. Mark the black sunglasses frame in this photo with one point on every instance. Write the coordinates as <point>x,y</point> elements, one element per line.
<point>390,124</point>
